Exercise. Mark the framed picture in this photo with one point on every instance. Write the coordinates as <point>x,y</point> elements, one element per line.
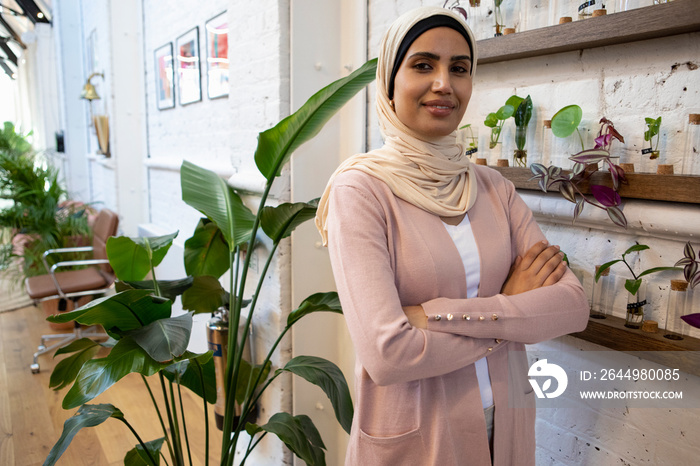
<point>165,80</point>
<point>217,56</point>
<point>189,87</point>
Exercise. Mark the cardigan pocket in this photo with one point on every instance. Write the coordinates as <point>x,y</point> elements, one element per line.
<point>398,449</point>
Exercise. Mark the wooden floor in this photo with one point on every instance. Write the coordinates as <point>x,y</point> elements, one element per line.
<point>31,417</point>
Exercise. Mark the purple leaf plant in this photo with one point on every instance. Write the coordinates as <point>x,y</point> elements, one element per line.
<point>691,272</point>
<point>603,197</point>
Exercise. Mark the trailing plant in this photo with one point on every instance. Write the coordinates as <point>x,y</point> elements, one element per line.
<point>651,135</point>
<point>150,340</point>
<point>569,183</point>
<point>522,116</point>
<point>456,6</point>
<point>495,121</point>
<point>691,273</point>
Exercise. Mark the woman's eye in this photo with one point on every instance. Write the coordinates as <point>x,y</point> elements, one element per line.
<point>421,66</point>
<point>459,69</point>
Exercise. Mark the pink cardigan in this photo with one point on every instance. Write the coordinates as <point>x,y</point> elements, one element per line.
<point>417,400</point>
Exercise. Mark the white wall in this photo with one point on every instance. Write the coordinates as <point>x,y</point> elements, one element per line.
<point>625,83</point>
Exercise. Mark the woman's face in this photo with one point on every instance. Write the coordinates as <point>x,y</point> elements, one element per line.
<point>433,84</point>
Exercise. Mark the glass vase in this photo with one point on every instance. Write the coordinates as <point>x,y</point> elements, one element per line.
<point>521,145</point>
<point>492,151</point>
<point>602,294</point>
<point>636,304</point>
<point>506,17</point>
<point>691,154</point>
<point>546,143</point>
<point>469,137</point>
<point>678,305</point>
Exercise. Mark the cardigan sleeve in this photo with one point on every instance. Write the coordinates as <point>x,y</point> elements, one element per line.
<point>387,346</point>
<point>530,317</point>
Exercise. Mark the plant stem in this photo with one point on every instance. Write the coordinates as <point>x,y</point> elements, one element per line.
<point>184,423</point>
<point>251,448</point>
<point>153,461</point>
<point>206,415</point>
<point>580,138</point>
<point>176,445</point>
<point>160,416</point>
<point>176,426</point>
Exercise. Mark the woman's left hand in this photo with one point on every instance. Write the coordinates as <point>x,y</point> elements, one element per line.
<point>416,316</point>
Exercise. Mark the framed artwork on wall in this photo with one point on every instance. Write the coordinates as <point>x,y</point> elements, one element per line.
<point>165,80</point>
<point>217,56</point>
<point>189,87</point>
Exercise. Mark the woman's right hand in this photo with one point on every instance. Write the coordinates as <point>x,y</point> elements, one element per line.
<point>542,265</point>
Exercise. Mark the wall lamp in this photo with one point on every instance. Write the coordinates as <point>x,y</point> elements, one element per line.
<point>89,92</point>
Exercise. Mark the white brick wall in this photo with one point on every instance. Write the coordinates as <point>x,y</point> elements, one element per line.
<point>625,83</point>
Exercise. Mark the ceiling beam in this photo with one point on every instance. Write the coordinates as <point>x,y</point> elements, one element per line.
<point>6,68</point>
<point>12,32</point>
<point>33,12</point>
<point>8,51</point>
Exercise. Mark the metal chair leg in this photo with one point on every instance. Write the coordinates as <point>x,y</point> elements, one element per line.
<point>79,332</point>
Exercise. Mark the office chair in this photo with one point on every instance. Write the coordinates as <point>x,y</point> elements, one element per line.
<point>74,284</point>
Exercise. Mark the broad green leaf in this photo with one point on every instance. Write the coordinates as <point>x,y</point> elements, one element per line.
<point>67,369</point>
<point>276,145</point>
<point>298,433</point>
<point>605,267</point>
<point>566,120</point>
<point>244,375</point>
<point>505,112</point>
<point>87,416</point>
<point>137,456</point>
<point>169,289</point>
<point>656,269</point>
<point>491,120</point>
<point>188,373</point>
<point>279,222</point>
<point>164,339</point>
<point>514,101</point>
<point>211,195</point>
<point>131,258</point>
<point>330,379</point>
<point>633,285</point>
<point>205,295</point>
<point>206,252</point>
<point>636,248</point>
<point>523,112</point>
<point>319,302</point>
<point>97,375</point>
<point>121,312</point>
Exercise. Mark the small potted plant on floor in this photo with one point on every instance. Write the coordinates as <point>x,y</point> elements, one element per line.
<point>636,299</point>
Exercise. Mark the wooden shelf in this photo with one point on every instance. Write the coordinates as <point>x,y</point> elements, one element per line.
<point>678,17</point>
<point>611,332</point>
<point>672,188</point>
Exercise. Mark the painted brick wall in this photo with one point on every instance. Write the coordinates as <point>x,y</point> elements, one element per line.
<point>625,83</point>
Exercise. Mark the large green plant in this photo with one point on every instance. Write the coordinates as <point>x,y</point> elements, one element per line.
<point>149,340</point>
<point>35,205</point>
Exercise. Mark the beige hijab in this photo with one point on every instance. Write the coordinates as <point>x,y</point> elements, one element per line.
<point>433,175</point>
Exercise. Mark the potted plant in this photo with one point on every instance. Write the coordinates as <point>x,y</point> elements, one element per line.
<point>471,139</point>
<point>636,299</point>
<point>149,340</point>
<point>495,121</point>
<point>652,136</point>
<point>585,162</point>
<point>522,116</point>
<point>691,272</point>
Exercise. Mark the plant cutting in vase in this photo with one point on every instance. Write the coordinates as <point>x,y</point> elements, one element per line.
<point>636,302</point>
<point>498,17</point>
<point>691,272</point>
<point>522,116</point>
<point>604,198</point>
<point>651,135</point>
<point>149,340</point>
<point>495,121</point>
<point>471,139</point>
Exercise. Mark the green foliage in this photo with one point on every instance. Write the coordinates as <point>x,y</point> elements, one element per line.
<point>632,284</point>
<point>151,340</point>
<point>653,127</point>
<point>566,121</point>
<point>38,209</point>
<point>495,121</point>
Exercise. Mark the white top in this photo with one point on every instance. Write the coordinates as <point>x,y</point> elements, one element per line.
<point>463,237</point>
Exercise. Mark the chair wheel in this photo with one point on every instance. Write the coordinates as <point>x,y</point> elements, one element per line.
<point>41,348</point>
<point>35,368</point>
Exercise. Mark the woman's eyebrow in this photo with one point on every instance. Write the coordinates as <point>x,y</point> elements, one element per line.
<point>434,56</point>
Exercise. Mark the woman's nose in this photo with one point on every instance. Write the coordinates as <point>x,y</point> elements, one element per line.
<point>441,83</point>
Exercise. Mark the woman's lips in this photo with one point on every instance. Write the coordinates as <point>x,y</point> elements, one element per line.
<point>439,108</point>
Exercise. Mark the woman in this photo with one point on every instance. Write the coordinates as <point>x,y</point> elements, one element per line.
<point>441,270</point>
